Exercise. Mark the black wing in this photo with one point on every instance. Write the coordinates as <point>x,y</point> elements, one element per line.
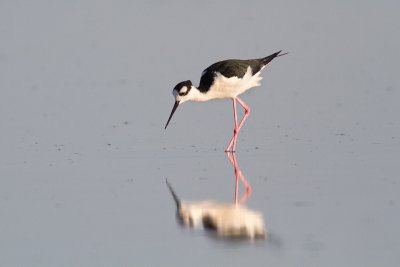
<point>232,68</point>
<point>228,68</point>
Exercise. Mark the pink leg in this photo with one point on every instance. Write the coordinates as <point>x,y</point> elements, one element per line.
<point>233,140</point>
<point>246,112</point>
<point>232,143</point>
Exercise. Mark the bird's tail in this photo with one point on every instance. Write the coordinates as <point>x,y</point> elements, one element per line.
<point>268,59</point>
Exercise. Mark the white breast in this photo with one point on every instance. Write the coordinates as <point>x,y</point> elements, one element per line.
<point>231,87</point>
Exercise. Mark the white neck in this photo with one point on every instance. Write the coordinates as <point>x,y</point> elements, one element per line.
<point>196,95</point>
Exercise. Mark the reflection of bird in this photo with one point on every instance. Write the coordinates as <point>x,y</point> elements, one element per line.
<point>224,79</point>
<point>226,219</point>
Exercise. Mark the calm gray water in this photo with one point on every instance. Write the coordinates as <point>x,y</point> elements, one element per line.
<point>86,91</point>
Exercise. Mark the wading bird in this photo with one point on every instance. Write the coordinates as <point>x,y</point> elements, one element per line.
<point>224,79</point>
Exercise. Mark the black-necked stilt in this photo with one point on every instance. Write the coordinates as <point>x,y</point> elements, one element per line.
<point>224,79</point>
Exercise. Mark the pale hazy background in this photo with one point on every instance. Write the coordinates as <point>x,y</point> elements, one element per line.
<point>85,92</point>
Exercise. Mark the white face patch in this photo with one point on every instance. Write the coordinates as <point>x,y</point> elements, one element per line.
<point>183,90</point>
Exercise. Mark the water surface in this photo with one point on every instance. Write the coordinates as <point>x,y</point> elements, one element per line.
<point>85,94</point>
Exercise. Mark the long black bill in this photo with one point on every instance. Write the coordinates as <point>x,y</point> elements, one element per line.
<point>172,112</point>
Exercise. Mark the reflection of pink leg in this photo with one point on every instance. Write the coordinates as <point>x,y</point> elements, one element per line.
<point>239,174</point>
<point>232,143</point>
<point>229,155</point>
<point>246,183</point>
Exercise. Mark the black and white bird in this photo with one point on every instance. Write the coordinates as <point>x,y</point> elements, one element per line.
<point>224,79</point>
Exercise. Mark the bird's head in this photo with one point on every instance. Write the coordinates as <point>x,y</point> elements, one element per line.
<point>181,94</point>
<point>181,91</point>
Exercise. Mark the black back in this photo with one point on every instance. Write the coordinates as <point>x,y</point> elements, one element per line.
<point>231,68</point>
